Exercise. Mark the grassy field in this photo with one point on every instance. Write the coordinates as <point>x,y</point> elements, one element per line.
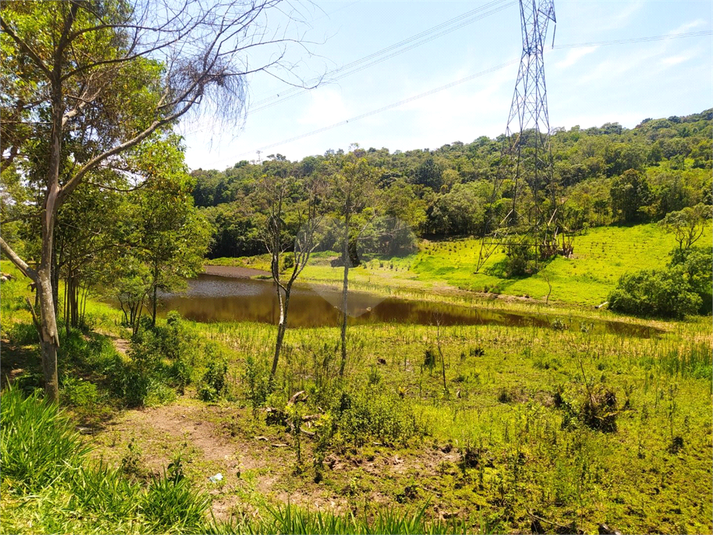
<point>479,429</point>
<point>482,429</point>
<point>601,256</point>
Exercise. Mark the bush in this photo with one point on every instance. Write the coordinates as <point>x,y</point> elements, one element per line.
<point>38,444</point>
<point>696,265</point>
<point>662,293</point>
<point>596,408</point>
<point>683,288</point>
<point>368,414</point>
<point>212,385</point>
<point>79,393</point>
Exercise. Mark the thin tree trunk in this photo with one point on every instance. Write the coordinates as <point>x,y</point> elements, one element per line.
<point>345,290</point>
<point>281,327</point>
<point>153,316</point>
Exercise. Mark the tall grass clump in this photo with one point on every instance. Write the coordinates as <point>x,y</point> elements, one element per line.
<point>293,520</point>
<point>38,443</point>
<point>171,504</point>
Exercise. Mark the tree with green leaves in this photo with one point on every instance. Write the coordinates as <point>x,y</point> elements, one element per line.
<point>88,82</point>
<point>629,192</point>
<point>687,225</point>
<point>353,186</point>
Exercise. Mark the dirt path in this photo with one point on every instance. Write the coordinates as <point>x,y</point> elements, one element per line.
<point>252,467</point>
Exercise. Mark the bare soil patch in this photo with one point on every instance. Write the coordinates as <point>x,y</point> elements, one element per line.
<point>235,272</point>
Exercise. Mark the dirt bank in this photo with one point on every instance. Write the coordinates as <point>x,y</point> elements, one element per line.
<point>234,271</point>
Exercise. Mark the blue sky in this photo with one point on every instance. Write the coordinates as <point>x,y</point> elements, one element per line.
<point>587,85</point>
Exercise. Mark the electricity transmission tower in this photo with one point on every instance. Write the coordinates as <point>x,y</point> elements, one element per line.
<point>529,145</point>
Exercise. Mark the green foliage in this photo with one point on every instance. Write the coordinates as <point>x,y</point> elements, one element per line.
<point>164,360</point>
<point>595,407</point>
<point>38,443</point>
<point>44,464</point>
<point>520,260</point>
<point>212,385</point>
<point>688,224</point>
<point>105,492</point>
<point>79,393</point>
<point>369,413</point>
<point>257,382</point>
<point>681,289</point>
<point>294,520</point>
<point>629,193</point>
<point>172,504</point>
<point>654,293</point>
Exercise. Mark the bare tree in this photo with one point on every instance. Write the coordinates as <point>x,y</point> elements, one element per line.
<point>88,82</point>
<point>279,193</point>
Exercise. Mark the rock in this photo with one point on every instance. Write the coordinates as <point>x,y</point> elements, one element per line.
<point>606,530</point>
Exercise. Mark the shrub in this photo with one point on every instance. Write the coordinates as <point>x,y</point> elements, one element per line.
<point>696,265</point>
<point>429,358</point>
<point>79,393</point>
<point>365,414</point>
<point>662,293</point>
<point>596,408</point>
<point>38,444</point>
<point>683,288</point>
<point>212,386</point>
<point>520,260</point>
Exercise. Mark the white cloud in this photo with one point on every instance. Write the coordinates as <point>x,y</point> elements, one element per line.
<point>574,55</point>
<point>327,106</point>
<point>683,28</point>
<point>623,17</point>
<point>675,60</point>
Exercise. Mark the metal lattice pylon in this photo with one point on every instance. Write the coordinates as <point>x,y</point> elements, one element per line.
<point>530,142</point>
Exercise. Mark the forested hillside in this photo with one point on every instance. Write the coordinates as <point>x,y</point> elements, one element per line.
<point>605,175</point>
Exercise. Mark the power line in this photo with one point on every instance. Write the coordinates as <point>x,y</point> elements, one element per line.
<point>652,38</point>
<point>472,77</point>
<point>395,49</point>
<point>389,106</point>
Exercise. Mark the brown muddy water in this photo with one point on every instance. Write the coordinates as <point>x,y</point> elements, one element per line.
<point>211,298</point>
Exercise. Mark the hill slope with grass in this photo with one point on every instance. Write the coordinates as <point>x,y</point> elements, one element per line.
<point>601,256</point>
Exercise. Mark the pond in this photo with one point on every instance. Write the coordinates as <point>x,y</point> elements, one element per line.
<point>212,298</point>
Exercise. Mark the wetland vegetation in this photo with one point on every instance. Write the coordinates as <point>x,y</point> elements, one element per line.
<point>396,365</point>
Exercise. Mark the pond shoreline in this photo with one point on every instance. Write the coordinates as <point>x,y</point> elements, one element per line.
<point>234,272</point>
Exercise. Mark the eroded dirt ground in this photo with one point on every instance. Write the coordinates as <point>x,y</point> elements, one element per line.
<point>258,463</point>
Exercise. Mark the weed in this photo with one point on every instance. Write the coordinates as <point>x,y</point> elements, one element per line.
<point>79,393</point>
<point>171,504</point>
<point>429,358</point>
<point>38,444</point>
<point>212,386</point>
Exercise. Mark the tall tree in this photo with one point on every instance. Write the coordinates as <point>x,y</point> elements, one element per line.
<point>93,80</point>
<point>353,186</point>
<point>290,221</point>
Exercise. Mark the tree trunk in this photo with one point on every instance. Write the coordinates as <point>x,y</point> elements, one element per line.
<point>49,339</point>
<point>153,316</point>
<point>345,290</point>
<point>284,303</point>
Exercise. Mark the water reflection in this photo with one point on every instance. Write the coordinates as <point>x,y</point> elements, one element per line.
<point>211,298</point>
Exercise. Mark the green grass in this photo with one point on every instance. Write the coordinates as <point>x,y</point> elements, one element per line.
<point>508,443</point>
<point>601,256</point>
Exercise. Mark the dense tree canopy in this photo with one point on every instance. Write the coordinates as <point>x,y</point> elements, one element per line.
<point>605,175</point>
